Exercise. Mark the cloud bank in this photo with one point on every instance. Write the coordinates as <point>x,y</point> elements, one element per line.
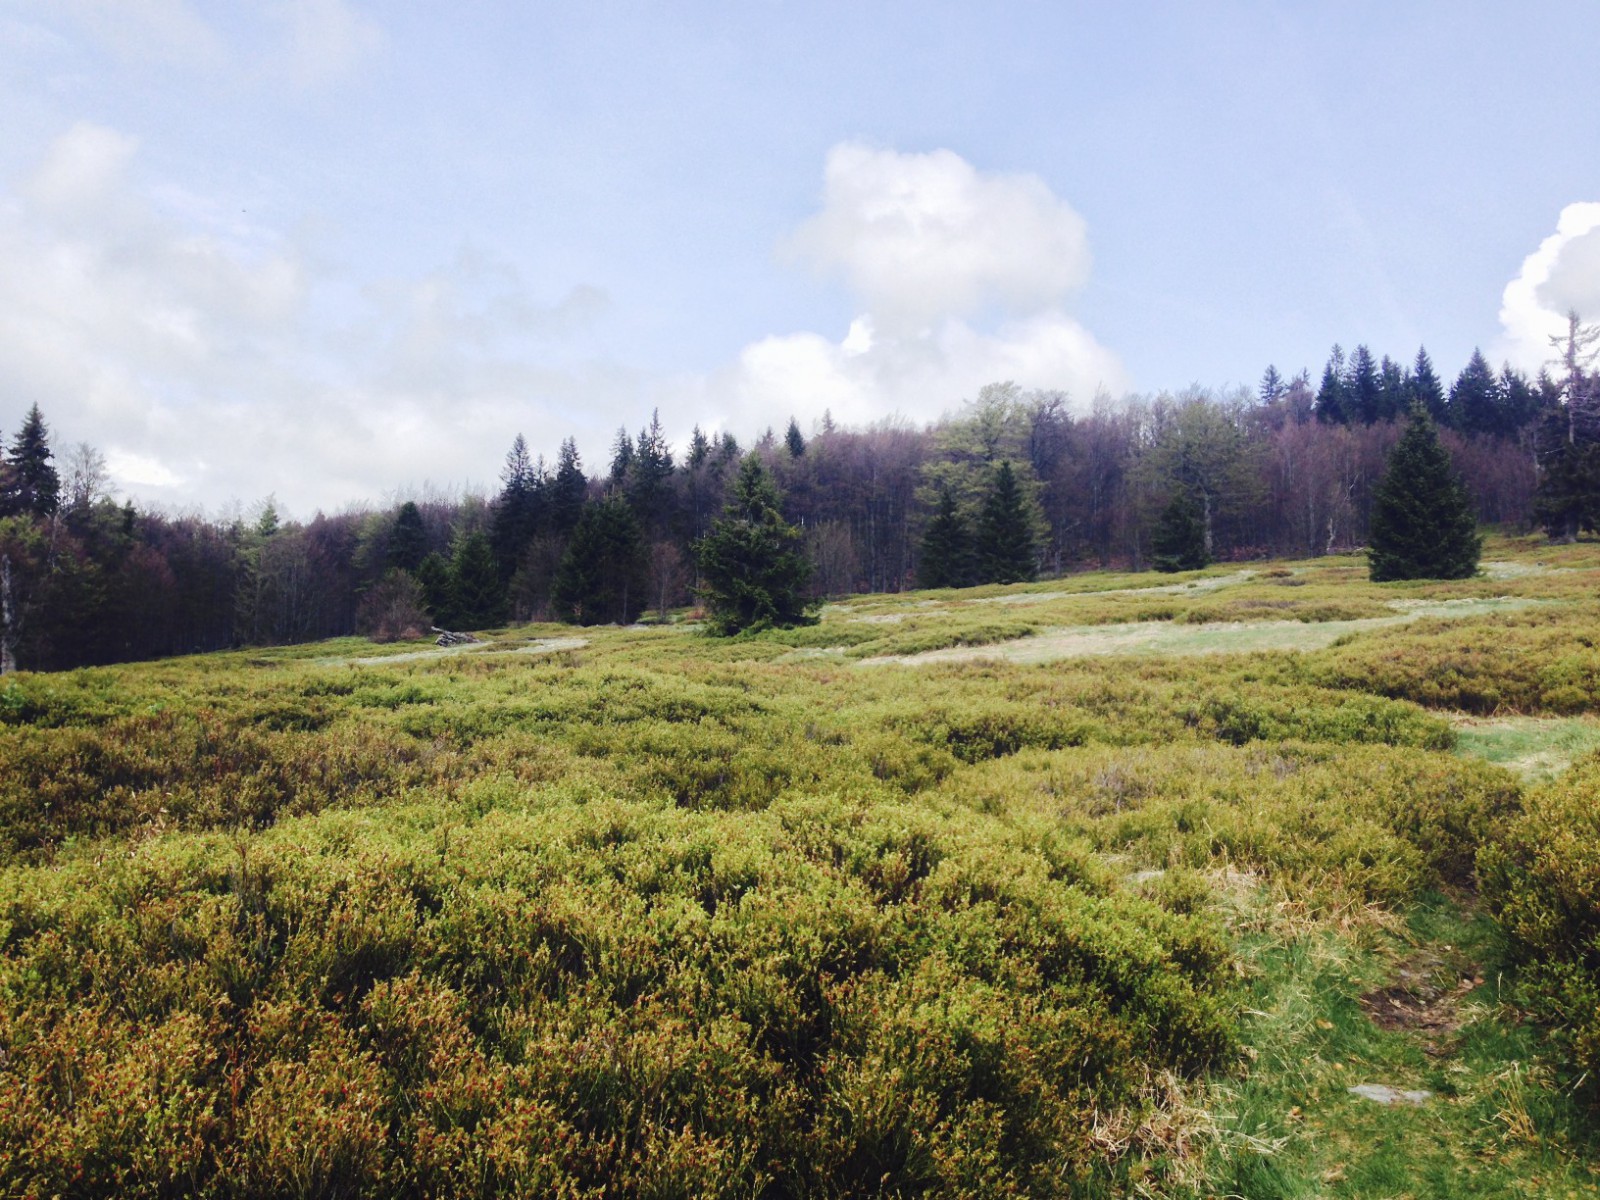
<point>961,278</point>
<point>204,362</point>
<point>1561,276</point>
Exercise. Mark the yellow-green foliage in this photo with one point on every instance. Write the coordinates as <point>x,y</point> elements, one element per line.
<point>1543,881</point>
<point>659,914</point>
<point>1544,661</point>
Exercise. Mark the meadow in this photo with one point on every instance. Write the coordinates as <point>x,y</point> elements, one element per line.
<point>1109,885</point>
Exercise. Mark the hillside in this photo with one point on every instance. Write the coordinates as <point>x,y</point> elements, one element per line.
<point>1106,885</point>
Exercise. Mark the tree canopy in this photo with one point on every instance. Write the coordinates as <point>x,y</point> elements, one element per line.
<point>753,568</point>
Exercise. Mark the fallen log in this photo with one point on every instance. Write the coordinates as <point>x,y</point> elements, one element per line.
<point>448,638</point>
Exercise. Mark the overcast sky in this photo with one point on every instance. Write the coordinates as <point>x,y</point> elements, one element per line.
<point>337,251</point>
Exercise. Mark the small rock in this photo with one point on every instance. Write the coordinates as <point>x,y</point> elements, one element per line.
<point>1384,1094</point>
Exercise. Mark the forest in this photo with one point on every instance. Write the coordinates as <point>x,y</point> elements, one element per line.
<point>1287,469</point>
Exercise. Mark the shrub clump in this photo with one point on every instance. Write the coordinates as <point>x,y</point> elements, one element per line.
<point>1542,880</point>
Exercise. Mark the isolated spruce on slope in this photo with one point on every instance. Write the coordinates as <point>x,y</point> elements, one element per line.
<point>752,568</point>
<point>1422,521</point>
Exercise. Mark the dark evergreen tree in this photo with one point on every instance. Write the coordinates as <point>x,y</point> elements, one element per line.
<point>1519,401</point>
<point>438,591</point>
<point>1178,541</point>
<point>29,485</point>
<point>648,477</point>
<point>1475,400</point>
<point>753,570</point>
<point>947,550</point>
<point>1273,387</point>
<point>1425,388</point>
<point>1332,408</point>
<point>601,579</point>
<point>621,457</point>
<point>568,490</point>
<point>1422,517</point>
<point>699,450</point>
<point>478,592</point>
<point>1361,387</point>
<point>1006,551</point>
<point>794,440</point>
<point>1567,445</point>
<point>408,539</point>
<point>1393,390</point>
<point>518,509</point>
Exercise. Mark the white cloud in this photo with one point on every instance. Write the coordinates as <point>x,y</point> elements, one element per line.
<point>920,237</point>
<point>201,357</point>
<point>1562,275</point>
<point>931,247</point>
<point>865,378</point>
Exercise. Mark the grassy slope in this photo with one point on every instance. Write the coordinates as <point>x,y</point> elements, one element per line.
<point>767,916</point>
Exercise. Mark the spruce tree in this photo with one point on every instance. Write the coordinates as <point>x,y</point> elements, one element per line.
<point>408,540</point>
<point>1332,404</point>
<point>518,510</point>
<point>794,439</point>
<point>1005,533</point>
<point>29,485</point>
<point>477,589</point>
<point>947,549</point>
<point>433,576</point>
<point>1179,538</point>
<point>601,577</point>
<point>752,569</point>
<point>1424,387</point>
<point>1422,521</point>
<point>568,490</point>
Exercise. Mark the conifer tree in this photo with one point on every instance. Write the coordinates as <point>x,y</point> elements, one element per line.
<point>29,485</point>
<point>1332,408</point>
<point>1422,521</point>
<point>1361,387</point>
<point>568,490</point>
<point>478,592</point>
<point>518,509</point>
<point>947,549</point>
<point>1476,399</point>
<point>601,576</point>
<point>433,576</point>
<point>1424,387</point>
<point>408,540</point>
<point>1179,538</point>
<point>752,569</point>
<point>1005,533</point>
<point>794,439</point>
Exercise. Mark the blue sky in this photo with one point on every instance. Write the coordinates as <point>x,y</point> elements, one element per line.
<point>336,250</point>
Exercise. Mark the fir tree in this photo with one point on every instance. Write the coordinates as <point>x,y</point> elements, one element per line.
<point>1179,538</point>
<point>1424,387</point>
<point>1332,408</point>
<point>601,576</point>
<point>518,509</point>
<point>1476,400</point>
<point>1393,390</point>
<point>794,440</point>
<point>1273,388</point>
<point>433,576</point>
<point>621,457</point>
<point>29,485</point>
<point>947,549</point>
<point>408,540</point>
<point>1361,388</point>
<point>1005,533</point>
<point>752,569</point>
<point>1422,522</point>
<point>478,592</point>
<point>568,490</point>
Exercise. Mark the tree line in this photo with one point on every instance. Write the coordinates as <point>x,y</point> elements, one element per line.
<point>1013,485</point>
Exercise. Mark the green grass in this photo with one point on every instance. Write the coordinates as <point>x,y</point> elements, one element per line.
<point>1076,891</point>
